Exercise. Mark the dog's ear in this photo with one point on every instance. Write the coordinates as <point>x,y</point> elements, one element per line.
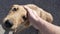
<point>33,7</point>
<point>42,13</point>
<point>49,17</point>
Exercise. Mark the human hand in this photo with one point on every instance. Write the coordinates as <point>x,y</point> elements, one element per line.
<point>32,15</point>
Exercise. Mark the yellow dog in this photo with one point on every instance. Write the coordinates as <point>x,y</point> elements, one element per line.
<point>17,20</point>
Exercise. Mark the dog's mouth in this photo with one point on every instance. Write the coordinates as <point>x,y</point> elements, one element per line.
<point>8,26</point>
<point>5,28</point>
<point>21,27</point>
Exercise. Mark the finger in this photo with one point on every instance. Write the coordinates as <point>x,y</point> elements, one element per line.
<point>31,13</point>
<point>28,9</point>
<point>27,12</point>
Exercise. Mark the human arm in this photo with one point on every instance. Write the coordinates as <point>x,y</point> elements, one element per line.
<point>44,26</point>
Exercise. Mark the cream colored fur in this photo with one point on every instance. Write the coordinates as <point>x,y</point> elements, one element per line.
<point>16,16</point>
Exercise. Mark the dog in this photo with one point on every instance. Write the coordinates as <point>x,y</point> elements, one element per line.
<point>17,20</point>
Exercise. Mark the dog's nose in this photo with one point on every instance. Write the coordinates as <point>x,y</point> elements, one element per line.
<point>8,24</point>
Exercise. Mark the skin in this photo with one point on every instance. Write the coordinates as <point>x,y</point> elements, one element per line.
<point>44,26</point>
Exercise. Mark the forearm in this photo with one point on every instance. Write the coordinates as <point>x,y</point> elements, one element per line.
<point>47,28</point>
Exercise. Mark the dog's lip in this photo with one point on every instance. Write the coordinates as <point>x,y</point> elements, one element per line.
<point>6,28</point>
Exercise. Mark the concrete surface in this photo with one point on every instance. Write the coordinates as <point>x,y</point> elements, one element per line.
<point>52,6</point>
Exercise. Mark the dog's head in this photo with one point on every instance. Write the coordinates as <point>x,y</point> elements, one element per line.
<point>17,17</point>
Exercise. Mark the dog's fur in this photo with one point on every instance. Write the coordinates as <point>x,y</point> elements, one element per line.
<point>16,16</point>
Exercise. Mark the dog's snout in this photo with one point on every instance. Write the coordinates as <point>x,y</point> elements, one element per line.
<point>8,24</point>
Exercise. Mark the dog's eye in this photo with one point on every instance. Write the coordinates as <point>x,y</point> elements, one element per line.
<point>24,18</point>
<point>14,9</point>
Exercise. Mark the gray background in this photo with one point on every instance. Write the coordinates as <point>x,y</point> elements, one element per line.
<point>52,6</point>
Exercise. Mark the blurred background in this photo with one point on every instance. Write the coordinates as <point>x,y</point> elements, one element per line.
<point>52,6</point>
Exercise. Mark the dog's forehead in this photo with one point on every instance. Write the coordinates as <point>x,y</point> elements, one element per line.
<point>20,10</point>
<point>17,6</point>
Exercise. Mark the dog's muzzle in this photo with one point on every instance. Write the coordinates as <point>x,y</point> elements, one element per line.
<point>8,24</point>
